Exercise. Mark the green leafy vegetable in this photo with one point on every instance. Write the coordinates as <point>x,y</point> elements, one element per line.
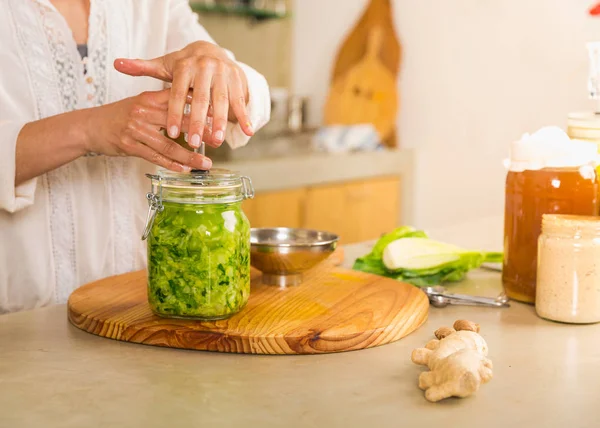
<point>199,261</point>
<point>408,255</point>
<point>372,262</point>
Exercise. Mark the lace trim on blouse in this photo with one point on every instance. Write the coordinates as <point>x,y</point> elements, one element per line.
<point>60,85</point>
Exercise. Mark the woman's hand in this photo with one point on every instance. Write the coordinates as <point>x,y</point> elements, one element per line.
<point>219,88</point>
<point>132,127</point>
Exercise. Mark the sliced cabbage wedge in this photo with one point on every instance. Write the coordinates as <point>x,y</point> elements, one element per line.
<point>408,255</point>
<point>418,253</point>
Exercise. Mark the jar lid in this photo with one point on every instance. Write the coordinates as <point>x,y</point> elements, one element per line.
<point>214,186</point>
<point>570,224</point>
<point>584,119</point>
<point>550,147</point>
<point>213,177</point>
<point>584,126</point>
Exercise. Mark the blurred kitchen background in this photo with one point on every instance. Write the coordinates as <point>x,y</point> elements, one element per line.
<point>472,76</point>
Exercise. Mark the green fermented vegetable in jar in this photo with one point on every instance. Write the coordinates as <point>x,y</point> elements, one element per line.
<point>198,261</point>
<point>199,248</point>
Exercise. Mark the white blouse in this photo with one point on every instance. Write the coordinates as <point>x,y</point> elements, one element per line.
<point>83,221</point>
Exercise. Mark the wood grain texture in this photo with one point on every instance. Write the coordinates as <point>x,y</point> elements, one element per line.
<point>364,80</point>
<point>334,310</point>
<point>356,211</point>
<point>378,13</point>
<point>276,209</point>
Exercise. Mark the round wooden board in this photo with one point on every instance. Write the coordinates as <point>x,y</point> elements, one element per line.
<point>333,310</point>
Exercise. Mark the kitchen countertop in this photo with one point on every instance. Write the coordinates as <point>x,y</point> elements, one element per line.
<point>54,375</point>
<point>314,168</point>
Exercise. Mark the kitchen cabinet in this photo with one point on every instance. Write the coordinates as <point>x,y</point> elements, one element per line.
<point>276,209</point>
<point>356,210</point>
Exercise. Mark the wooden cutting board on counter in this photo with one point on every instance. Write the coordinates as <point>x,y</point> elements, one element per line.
<point>333,310</point>
<point>364,83</point>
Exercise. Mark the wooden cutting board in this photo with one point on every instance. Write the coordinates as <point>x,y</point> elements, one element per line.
<point>333,310</point>
<point>364,85</point>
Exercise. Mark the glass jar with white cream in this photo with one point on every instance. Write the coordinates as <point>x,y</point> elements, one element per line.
<point>568,269</point>
<point>548,174</point>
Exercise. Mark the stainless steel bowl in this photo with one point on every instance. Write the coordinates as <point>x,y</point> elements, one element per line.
<point>284,254</point>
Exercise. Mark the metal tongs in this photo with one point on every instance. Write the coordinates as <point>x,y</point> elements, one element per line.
<point>439,297</point>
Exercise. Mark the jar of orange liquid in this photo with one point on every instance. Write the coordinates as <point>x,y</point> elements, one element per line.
<point>548,173</point>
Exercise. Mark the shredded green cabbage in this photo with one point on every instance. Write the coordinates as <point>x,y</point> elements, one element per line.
<point>199,261</point>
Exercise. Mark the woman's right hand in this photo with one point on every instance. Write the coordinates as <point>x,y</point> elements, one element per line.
<point>132,127</point>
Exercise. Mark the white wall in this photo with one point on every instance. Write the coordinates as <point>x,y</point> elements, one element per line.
<point>265,47</point>
<point>475,75</point>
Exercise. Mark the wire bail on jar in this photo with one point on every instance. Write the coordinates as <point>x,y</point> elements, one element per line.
<point>247,188</point>
<point>155,206</point>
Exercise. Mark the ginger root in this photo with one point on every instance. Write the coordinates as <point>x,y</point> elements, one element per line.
<point>442,332</point>
<point>437,350</point>
<point>457,362</point>
<point>458,375</point>
<point>466,325</point>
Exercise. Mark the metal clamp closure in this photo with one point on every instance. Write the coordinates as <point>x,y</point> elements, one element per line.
<point>247,188</point>
<point>155,206</point>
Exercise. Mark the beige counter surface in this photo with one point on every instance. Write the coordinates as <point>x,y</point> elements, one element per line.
<point>314,168</point>
<point>53,375</point>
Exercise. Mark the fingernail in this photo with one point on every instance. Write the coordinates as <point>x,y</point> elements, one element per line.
<point>195,140</point>
<point>249,126</point>
<point>206,163</point>
<point>219,135</point>
<point>185,168</point>
<point>173,131</point>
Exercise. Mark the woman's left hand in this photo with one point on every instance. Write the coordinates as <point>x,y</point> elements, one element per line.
<point>219,89</point>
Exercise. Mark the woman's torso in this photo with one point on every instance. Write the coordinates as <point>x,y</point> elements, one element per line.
<point>88,216</point>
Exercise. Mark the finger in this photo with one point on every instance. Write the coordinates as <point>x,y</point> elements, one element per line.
<point>200,104</point>
<point>209,134</point>
<point>188,101</point>
<point>207,137</point>
<point>159,99</point>
<point>158,117</point>
<point>138,149</point>
<point>238,104</point>
<point>169,148</point>
<point>156,67</point>
<point>179,91</point>
<point>220,103</point>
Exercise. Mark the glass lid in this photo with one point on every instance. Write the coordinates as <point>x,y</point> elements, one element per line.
<point>215,185</point>
<point>214,177</point>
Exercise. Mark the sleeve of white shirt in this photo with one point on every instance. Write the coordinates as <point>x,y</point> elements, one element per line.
<point>185,29</point>
<point>12,198</point>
